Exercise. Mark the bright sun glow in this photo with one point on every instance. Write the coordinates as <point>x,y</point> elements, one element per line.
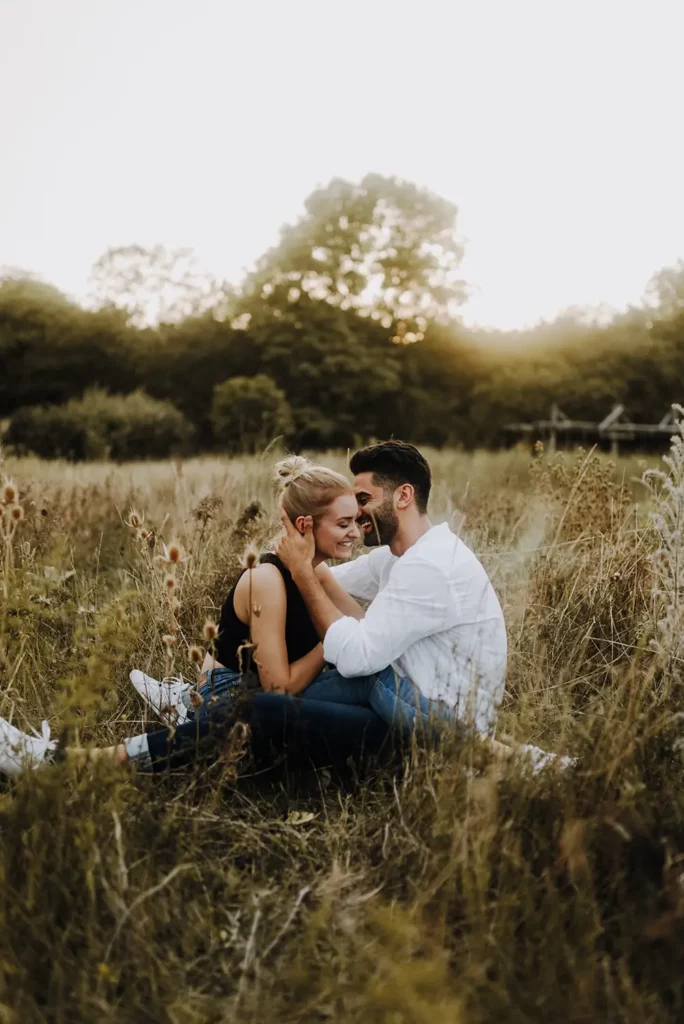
<point>553,127</point>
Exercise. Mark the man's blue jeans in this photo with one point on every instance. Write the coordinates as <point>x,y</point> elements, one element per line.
<point>394,699</point>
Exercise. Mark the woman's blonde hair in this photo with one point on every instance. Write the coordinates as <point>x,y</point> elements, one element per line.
<point>307,489</point>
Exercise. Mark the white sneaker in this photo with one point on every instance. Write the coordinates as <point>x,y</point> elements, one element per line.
<point>163,696</point>
<point>540,759</point>
<point>19,750</point>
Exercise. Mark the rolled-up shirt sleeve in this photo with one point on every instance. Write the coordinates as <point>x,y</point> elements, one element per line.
<point>413,605</point>
<point>358,577</point>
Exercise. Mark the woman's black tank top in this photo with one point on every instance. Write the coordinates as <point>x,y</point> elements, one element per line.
<point>300,635</point>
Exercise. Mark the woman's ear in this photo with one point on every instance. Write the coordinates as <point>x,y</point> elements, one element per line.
<point>299,525</point>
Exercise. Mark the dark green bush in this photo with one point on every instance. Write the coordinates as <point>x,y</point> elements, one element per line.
<point>248,412</point>
<point>100,425</point>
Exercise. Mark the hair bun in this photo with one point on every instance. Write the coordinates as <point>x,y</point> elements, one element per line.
<point>289,469</point>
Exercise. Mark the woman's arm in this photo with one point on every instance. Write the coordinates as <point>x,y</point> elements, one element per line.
<point>268,596</point>
<point>343,601</point>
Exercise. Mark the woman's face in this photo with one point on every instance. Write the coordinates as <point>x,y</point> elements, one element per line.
<point>336,531</point>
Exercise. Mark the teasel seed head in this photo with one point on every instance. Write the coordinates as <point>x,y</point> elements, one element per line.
<point>250,558</point>
<point>175,553</point>
<point>9,492</point>
<point>135,519</point>
<point>210,631</point>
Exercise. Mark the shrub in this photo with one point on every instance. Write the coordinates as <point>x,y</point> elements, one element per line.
<point>100,425</point>
<point>248,412</point>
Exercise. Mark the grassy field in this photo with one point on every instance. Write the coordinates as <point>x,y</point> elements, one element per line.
<point>436,893</point>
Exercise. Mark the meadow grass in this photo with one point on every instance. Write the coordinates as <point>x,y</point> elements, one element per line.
<point>432,892</point>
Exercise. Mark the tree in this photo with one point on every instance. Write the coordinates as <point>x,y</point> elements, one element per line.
<point>51,349</point>
<point>383,247</point>
<point>155,285</point>
<point>249,412</point>
<point>665,290</point>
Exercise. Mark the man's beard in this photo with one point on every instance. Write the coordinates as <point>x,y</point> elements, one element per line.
<point>384,525</point>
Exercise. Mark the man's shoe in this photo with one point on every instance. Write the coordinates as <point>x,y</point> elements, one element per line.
<point>163,696</point>
<point>19,750</point>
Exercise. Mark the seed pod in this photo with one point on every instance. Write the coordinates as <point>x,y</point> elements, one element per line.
<point>9,493</point>
<point>250,558</point>
<point>210,631</point>
<point>175,553</point>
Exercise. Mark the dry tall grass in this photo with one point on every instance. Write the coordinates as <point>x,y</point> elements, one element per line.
<point>433,894</point>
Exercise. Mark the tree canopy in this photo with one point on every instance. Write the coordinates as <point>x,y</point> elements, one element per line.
<point>347,327</point>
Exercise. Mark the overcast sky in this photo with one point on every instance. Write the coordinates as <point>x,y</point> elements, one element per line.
<point>554,126</point>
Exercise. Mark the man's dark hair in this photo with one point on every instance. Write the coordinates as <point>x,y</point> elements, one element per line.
<point>394,463</point>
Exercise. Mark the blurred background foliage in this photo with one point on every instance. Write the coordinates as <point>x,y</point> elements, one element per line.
<point>347,329</point>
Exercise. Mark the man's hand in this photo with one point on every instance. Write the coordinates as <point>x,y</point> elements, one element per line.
<point>294,549</point>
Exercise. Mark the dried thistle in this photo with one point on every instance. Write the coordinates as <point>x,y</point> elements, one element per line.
<point>250,557</point>
<point>135,519</point>
<point>170,582</point>
<point>196,655</point>
<point>174,553</point>
<point>169,640</point>
<point>210,631</point>
<point>10,492</point>
<point>17,513</point>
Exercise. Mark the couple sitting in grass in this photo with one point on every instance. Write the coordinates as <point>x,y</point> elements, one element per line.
<point>332,680</point>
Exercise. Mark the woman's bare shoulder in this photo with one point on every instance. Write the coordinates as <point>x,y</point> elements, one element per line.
<point>266,579</point>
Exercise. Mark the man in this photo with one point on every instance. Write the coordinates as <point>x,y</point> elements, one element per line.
<point>432,641</point>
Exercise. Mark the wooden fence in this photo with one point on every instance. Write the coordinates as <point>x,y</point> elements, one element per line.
<point>614,428</point>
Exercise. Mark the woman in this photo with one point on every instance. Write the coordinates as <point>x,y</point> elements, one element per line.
<point>264,628</point>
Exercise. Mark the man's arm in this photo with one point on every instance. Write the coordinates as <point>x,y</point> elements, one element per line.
<point>360,576</point>
<point>343,601</point>
<point>413,605</point>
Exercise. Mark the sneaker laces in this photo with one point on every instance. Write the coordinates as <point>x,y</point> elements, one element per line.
<point>172,680</point>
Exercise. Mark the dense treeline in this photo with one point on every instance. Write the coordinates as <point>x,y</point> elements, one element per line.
<point>346,330</point>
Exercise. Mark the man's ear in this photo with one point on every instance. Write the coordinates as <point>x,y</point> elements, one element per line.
<point>404,495</point>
